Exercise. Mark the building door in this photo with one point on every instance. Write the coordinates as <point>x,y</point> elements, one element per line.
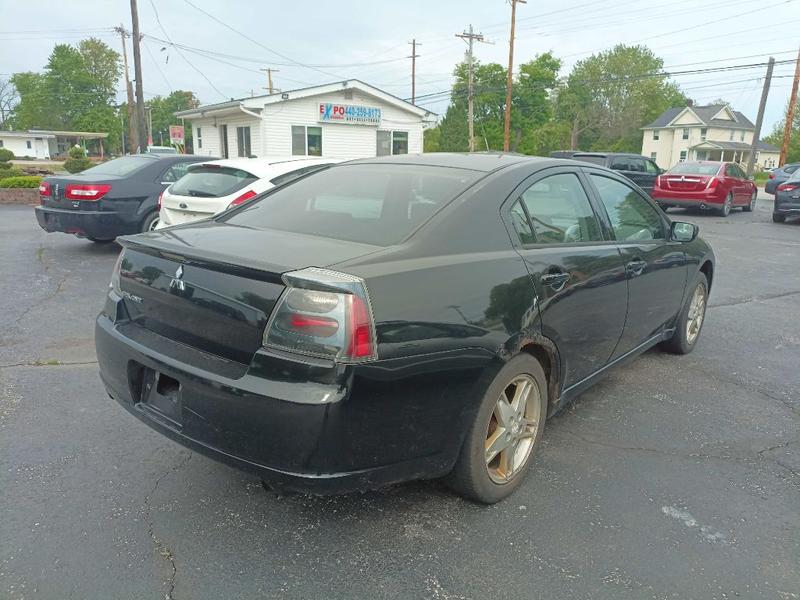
<point>223,141</point>
<point>243,142</point>
<point>39,148</point>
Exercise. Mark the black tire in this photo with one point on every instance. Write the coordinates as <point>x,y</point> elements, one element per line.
<point>149,221</point>
<point>750,207</point>
<point>470,476</point>
<point>100,240</point>
<point>778,218</point>
<point>680,343</point>
<point>725,209</point>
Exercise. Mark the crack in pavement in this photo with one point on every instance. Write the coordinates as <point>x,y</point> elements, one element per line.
<point>163,549</point>
<point>47,298</point>
<point>48,363</point>
<point>754,299</point>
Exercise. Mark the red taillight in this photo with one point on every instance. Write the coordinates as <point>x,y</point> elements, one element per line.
<point>772,175</point>
<point>712,183</point>
<point>324,314</point>
<point>160,199</point>
<point>44,189</point>
<point>91,191</point>
<point>242,199</point>
<point>788,187</point>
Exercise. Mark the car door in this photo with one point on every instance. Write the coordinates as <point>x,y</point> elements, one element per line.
<point>651,171</point>
<point>655,267</point>
<point>577,272</point>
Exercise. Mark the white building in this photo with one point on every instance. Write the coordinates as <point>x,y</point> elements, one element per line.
<point>47,143</point>
<point>347,119</point>
<point>713,132</point>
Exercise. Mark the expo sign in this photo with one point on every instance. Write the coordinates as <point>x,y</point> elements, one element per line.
<point>349,113</point>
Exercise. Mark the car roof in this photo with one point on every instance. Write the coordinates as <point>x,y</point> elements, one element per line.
<point>605,154</point>
<point>264,166</point>
<point>476,161</point>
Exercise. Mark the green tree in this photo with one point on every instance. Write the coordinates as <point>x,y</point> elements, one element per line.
<point>609,96</point>
<point>163,109</point>
<point>776,137</point>
<point>430,139</point>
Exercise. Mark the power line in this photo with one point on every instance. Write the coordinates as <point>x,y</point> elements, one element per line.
<point>158,67</point>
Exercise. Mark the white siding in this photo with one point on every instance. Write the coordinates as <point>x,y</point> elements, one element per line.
<point>19,147</point>
<point>271,135</point>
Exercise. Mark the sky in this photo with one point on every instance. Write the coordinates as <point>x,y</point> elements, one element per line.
<point>315,42</point>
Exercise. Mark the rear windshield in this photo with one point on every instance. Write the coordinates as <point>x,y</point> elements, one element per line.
<point>689,168</point>
<point>210,181</point>
<point>124,165</point>
<point>379,204</point>
<point>597,160</point>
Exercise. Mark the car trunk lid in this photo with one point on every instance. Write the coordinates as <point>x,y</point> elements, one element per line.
<point>684,183</point>
<point>58,191</point>
<point>213,286</point>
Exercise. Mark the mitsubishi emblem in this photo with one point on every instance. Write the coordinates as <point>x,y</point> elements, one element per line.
<point>177,282</point>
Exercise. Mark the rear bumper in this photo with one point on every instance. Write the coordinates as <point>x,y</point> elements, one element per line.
<point>319,429</point>
<point>702,199</point>
<point>84,223</point>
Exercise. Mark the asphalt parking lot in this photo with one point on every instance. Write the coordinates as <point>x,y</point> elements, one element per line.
<point>677,477</point>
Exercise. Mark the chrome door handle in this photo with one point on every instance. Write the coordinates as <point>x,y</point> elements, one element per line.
<point>635,267</point>
<point>555,280</point>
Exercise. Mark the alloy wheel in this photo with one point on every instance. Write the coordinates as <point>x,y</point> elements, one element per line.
<point>512,429</point>
<point>697,312</point>
<point>726,207</point>
<point>154,224</point>
<point>753,201</point>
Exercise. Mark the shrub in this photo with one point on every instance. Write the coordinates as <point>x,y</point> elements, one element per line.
<point>10,171</point>
<point>6,155</point>
<point>28,181</point>
<point>77,160</point>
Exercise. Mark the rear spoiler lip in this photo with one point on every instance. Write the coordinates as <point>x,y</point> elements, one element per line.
<point>206,260</point>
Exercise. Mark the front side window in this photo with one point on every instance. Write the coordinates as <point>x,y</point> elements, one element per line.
<point>306,141</point>
<point>685,133</point>
<point>560,211</point>
<point>632,217</point>
<point>637,165</point>
<point>243,141</point>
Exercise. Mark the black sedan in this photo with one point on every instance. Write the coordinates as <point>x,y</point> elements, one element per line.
<point>118,197</point>
<point>397,318</point>
<point>787,200</point>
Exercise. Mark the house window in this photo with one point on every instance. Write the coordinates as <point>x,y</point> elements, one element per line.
<point>685,133</point>
<point>653,156</point>
<point>683,155</point>
<point>741,135</point>
<point>733,133</point>
<point>243,141</point>
<point>1,143</point>
<point>655,134</point>
<point>306,141</point>
<point>703,133</point>
<point>28,144</point>
<point>199,137</point>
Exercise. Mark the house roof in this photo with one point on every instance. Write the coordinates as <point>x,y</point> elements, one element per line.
<point>27,134</point>
<point>705,114</point>
<point>763,146</point>
<point>258,102</point>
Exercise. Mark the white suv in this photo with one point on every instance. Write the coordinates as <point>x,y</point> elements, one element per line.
<point>208,188</point>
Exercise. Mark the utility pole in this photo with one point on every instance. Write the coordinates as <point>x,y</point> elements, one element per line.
<point>141,125</point>
<point>787,128</point>
<point>507,127</point>
<point>413,58</point>
<point>269,73</point>
<point>129,89</point>
<point>760,118</point>
<point>470,38</point>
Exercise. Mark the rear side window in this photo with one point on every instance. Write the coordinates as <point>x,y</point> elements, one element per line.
<point>521,225</point>
<point>210,181</point>
<point>621,164</point>
<point>379,204</point>
<point>122,166</point>
<point>560,211</point>
<point>632,217</point>
<point>790,168</point>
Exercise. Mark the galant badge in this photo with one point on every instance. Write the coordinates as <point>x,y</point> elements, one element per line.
<point>178,283</point>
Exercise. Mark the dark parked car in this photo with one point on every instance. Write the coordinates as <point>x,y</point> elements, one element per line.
<point>640,170</point>
<point>563,153</point>
<point>114,198</point>
<point>778,176</point>
<point>397,318</point>
<point>787,199</point>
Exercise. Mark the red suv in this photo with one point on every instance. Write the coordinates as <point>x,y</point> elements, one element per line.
<point>707,185</point>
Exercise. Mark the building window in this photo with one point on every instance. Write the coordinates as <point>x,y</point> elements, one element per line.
<point>741,135</point>
<point>683,155</point>
<point>199,137</point>
<point>703,134</point>
<point>685,133</point>
<point>306,141</point>
<point>733,133</point>
<point>653,156</point>
<point>655,134</point>
<point>28,144</point>
<point>243,141</point>
<point>391,142</point>
<point>1,143</point>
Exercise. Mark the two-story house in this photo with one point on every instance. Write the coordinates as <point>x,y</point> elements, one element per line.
<point>713,132</point>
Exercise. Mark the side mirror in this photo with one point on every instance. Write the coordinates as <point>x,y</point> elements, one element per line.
<point>683,232</point>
